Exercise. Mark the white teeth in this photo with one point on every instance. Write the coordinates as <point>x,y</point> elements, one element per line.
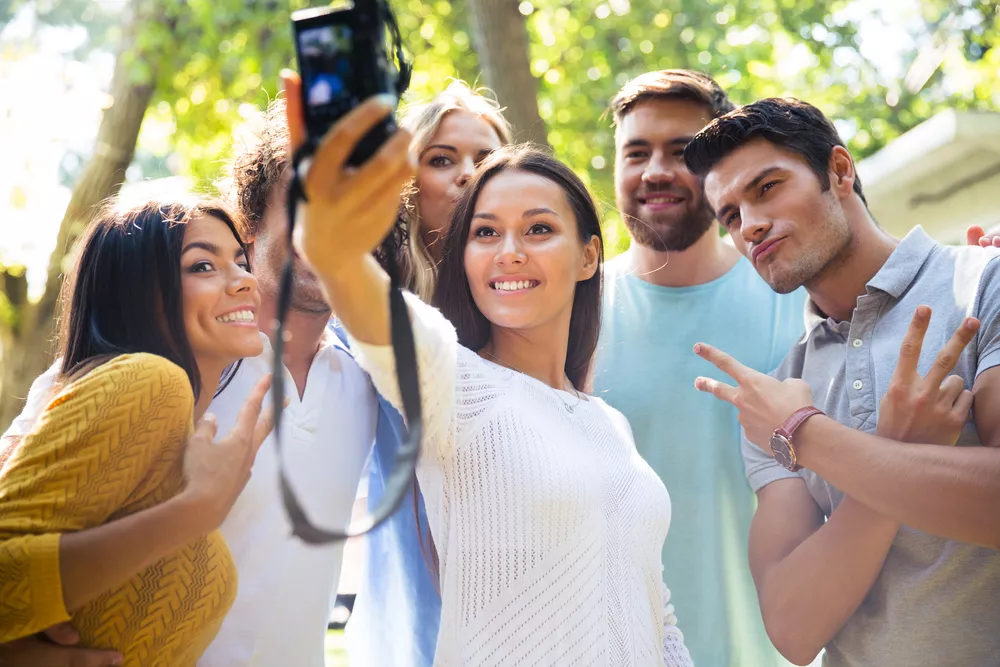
<point>511,286</point>
<point>238,316</point>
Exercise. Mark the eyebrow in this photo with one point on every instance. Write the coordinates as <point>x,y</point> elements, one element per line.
<point>441,146</point>
<point>676,141</point>
<point>210,247</point>
<point>531,212</point>
<point>752,185</point>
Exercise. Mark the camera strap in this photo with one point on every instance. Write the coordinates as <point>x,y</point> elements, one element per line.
<point>399,481</point>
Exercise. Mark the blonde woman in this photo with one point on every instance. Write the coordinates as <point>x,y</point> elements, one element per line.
<point>396,614</point>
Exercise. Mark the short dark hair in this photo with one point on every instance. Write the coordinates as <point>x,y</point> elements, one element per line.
<point>258,168</point>
<point>671,84</point>
<point>792,124</point>
<point>124,293</point>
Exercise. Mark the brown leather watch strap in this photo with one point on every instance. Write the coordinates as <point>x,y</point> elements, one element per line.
<point>795,420</point>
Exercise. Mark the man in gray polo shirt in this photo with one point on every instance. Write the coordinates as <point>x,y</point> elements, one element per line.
<point>886,553</point>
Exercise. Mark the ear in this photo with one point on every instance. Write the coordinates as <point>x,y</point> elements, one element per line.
<point>842,173</point>
<point>591,254</point>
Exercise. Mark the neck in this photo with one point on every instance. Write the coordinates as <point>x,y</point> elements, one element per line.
<point>303,333</point>
<point>708,259</point>
<point>210,373</point>
<point>836,289</point>
<point>539,354</point>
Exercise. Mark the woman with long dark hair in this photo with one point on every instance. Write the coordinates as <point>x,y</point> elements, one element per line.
<point>396,613</point>
<point>109,506</point>
<point>547,523</point>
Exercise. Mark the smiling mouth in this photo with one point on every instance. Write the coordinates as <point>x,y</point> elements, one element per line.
<point>238,316</point>
<point>513,285</point>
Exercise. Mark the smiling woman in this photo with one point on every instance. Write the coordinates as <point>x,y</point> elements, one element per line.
<point>110,505</point>
<point>547,522</point>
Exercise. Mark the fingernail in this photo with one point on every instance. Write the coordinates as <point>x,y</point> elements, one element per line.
<point>697,348</point>
<point>209,417</point>
<point>387,100</point>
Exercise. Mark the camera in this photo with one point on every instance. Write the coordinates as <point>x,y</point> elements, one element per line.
<point>343,60</point>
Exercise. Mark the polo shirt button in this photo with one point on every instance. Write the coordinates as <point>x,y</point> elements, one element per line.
<point>858,342</point>
<point>858,384</point>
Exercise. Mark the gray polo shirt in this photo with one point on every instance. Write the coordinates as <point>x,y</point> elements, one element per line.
<point>936,602</point>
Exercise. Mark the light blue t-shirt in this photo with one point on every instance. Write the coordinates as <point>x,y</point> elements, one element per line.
<point>646,369</point>
<point>397,610</point>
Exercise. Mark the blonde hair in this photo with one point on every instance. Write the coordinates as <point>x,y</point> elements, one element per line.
<point>423,121</point>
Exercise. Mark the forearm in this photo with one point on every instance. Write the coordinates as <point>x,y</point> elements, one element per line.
<point>808,596</point>
<point>96,560</point>
<point>951,492</point>
<point>359,296</point>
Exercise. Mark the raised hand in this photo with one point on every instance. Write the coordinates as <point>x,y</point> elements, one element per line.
<point>764,403</point>
<point>217,471</point>
<point>976,235</point>
<point>349,210</point>
<point>933,408</point>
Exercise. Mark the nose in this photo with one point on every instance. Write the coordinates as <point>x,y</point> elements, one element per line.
<point>242,282</point>
<point>510,252</point>
<point>659,169</point>
<point>466,170</point>
<point>754,228</point>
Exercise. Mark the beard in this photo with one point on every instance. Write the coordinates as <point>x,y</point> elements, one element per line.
<point>830,248</point>
<point>307,291</point>
<point>669,231</point>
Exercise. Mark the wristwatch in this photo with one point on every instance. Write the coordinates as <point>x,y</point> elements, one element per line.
<point>781,439</point>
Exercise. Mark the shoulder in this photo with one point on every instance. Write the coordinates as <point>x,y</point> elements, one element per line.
<point>130,377</point>
<point>965,267</point>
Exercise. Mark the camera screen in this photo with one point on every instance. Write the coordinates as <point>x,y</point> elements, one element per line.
<point>327,72</point>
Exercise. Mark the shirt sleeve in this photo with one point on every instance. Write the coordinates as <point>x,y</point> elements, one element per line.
<point>38,397</point>
<point>988,312</point>
<point>90,451</point>
<point>675,653</point>
<point>437,354</point>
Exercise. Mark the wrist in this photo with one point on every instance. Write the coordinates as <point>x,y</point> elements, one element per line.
<point>806,442</point>
<point>195,513</point>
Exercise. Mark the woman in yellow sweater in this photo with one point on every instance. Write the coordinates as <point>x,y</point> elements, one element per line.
<point>109,507</point>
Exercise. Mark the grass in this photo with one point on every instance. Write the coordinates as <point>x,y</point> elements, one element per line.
<point>336,649</point>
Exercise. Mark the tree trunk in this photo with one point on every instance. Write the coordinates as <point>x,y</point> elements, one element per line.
<point>501,40</point>
<point>27,337</point>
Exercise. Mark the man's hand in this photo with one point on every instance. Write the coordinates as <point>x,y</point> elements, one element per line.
<point>764,403</point>
<point>933,408</point>
<point>58,650</point>
<point>976,235</point>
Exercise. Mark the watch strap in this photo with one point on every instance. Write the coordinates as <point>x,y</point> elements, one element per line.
<point>796,420</point>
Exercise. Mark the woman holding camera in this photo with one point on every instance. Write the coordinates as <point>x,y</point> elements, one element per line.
<point>109,506</point>
<point>398,607</point>
<point>547,522</point>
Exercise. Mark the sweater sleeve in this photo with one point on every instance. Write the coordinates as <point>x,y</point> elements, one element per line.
<point>437,353</point>
<point>83,461</point>
<point>675,653</point>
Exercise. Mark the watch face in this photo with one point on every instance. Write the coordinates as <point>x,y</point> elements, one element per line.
<point>782,450</point>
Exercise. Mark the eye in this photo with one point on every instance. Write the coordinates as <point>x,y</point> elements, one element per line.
<point>767,186</point>
<point>245,265</point>
<point>201,267</point>
<point>440,161</point>
<point>540,228</point>
<point>484,232</point>
<point>731,218</point>
<point>636,155</point>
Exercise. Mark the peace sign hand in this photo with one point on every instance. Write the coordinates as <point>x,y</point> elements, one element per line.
<point>933,408</point>
<point>764,403</point>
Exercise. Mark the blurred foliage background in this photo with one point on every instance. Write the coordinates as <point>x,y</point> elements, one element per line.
<point>188,73</point>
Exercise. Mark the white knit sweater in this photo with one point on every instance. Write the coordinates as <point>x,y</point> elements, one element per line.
<point>548,524</point>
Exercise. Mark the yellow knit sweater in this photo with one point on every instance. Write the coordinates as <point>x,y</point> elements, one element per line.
<point>110,444</point>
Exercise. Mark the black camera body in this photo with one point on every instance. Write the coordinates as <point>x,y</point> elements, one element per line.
<point>343,60</point>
